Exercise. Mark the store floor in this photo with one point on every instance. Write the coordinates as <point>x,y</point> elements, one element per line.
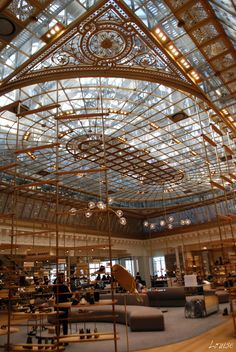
<point>220,338</point>
<point>177,328</point>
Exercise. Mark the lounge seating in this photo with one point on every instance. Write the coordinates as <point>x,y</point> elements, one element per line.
<point>145,319</point>
<point>139,310</point>
<point>130,299</point>
<point>138,317</point>
<point>167,297</point>
<point>162,297</point>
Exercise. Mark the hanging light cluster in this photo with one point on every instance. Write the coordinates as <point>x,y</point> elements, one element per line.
<point>99,206</point>
<point>169,223</point>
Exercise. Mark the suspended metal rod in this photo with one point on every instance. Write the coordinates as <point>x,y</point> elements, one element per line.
<point>9,166</point>
<point>33,149</point>
<point>35,111</point>
<point>81,116</point>
<point>80,171</point>
<point>35,184</point>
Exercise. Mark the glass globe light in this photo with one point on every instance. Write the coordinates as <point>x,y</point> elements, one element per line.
<point>170,219</point>
<point>123,221</point>
<point>170,226</point>
<point>145,223</point>
<point>187,221</point>
<point>119,213</point>
<point>182,222</point>
<point>91,205</point>
<point>110,200</point>
<point>162,222</point>
<point>88,213</point>
<point>152,226</point>
<point>101,205</point>
<point>72,211</point>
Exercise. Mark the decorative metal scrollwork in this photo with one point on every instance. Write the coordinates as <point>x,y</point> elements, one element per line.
<point>61,58</point>
<point>108,38</point>
<point>107,44</point>
<point>145,60</point>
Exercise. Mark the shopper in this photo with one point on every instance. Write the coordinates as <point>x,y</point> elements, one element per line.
<point>62,294</point>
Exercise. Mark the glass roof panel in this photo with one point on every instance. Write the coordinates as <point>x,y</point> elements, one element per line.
<point>22,10</point>
<point>134,149</point>
<point>145,147</point>
<point>225,11</point>
<point>67,11</point>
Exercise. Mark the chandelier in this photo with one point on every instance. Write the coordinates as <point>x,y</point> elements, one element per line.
<point>99,206</point>
<point>168,222</point>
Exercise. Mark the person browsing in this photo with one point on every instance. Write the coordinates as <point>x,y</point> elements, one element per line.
<point>62,294</point>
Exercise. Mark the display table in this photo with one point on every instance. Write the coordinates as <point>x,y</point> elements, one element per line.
<point>80,305</point>
<point>34,314</point>
<point>6,331</point>
<point>93,337</point>
<point>4,293</point>
<point>36,321</point>
<point>37,316</point>
<point>36,347</point>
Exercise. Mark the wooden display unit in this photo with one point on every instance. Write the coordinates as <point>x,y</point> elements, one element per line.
<point>21,311</point>
<point>91,337</point>
<point>232,301</point>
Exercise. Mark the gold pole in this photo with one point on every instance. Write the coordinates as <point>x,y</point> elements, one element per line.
<point>57,216</point>
<point>213,145</point>
<point>13,227</point>
<point>227,152</point>
<point>108,220</point>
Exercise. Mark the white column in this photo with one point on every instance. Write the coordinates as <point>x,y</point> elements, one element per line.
<point>177,258</point>
<point>144,269</point>
<point>135,267</point>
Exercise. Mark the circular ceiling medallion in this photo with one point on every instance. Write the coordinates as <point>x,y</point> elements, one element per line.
<point>107,44</point>
<point>6,27</point>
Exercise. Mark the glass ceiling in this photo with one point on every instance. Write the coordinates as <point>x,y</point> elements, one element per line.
<point>151,13</point>
<point>133,129</point>
<point>146,152</point>
<point>225,12</point>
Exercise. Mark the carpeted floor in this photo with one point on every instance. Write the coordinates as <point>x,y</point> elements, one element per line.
<point>177,328</point>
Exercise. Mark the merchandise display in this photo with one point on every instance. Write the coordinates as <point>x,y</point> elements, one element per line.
<point>117,172</point>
